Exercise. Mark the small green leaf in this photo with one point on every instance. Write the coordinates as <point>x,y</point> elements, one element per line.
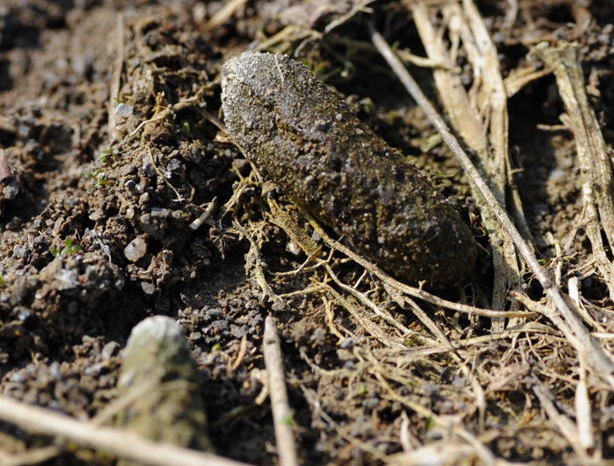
<point>430,423</point>
<point>70,247</point>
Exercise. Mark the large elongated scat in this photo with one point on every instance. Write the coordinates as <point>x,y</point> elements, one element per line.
<point>301,134</point>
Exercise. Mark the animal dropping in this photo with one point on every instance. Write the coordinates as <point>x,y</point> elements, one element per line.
<point>302,135</point>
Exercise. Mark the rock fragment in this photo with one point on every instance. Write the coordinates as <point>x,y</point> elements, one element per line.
<point>159,372</point>
<point>136,249</point>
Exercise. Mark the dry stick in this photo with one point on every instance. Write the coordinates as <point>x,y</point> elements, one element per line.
<point>583,343</point>
<point>511,15</point>
<point>357,8</point>
<point>583,413</point>
<point>492,98</point>
<point>521,77</point>
<point>563,423</point>
<point>472,121</point>
<point>225,13</point>
<point>33,456</point>
<point>492,103</point>
<point>410,290</point>
<point>5,169</point>
<point>116,441</point>
<point>282,414</point>
<point>242,351</point>
<point>596,174</point>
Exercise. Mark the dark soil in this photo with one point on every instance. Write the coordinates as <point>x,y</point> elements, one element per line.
<point>99,228</point>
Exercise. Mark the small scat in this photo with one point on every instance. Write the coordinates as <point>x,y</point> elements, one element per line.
<point>303,136</point>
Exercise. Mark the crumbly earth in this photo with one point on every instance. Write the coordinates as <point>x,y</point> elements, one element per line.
<point>122,199</point>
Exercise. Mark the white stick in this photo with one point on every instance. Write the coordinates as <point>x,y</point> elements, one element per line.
<point>225,13</point>
<point>116,441</point>
<point>282,414</point>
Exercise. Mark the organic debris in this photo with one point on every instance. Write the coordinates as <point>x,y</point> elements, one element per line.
<point>123,196</point>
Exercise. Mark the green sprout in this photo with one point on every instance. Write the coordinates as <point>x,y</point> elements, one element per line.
<point>412,340</point>
<point>2,281</point>
<point>70,248</point>
<point>430,423</point>
<point>99,176</point>
<point>105,155</point>
<point>187,127</point>
<point>217,347</point>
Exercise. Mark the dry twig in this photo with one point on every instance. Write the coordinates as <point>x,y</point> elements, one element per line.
<point>601,362</point>
<point>118,442</point>
<point>33,456</point>
<point>360,6</point>
<point>225,13</point>
<point>5,169</point>
<point>479,116</point>
<point>282,414</point>
<point>596,165</point>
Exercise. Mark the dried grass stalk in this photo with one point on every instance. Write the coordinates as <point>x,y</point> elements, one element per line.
<point>117,441</point>
<point>563,314</point>
<point>595,162</point>
<point>478,116</point>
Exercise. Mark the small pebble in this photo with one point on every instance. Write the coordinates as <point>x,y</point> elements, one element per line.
<point>124,110</point>
<point>136,249</point>
<point>148,288</point>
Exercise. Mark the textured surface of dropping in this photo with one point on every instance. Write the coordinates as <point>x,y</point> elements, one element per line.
<point>302,135</point>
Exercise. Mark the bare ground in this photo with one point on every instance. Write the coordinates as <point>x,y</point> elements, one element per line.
<point>110,139</point>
